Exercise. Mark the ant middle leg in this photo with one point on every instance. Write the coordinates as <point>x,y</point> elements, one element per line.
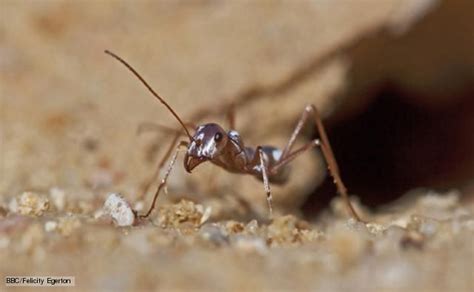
<point>266,184</point>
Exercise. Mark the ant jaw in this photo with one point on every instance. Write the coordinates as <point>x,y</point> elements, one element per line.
<point>191,162</point>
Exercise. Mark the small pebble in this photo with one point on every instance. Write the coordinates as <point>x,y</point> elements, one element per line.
<point>50,226</point>
<point>374,228</point>
<point>30,203</point>
<point>119,209</point>
<point>183,213</point>
<point>252,227</point>
<point>234,227</point>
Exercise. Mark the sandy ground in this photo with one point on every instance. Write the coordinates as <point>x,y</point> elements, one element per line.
<point>423,245</point>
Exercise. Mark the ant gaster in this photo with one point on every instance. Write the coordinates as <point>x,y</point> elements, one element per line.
<point>212,143</point>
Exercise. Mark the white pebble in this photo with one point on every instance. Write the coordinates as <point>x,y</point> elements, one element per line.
<point>119,210</point>
<point>50,226</point>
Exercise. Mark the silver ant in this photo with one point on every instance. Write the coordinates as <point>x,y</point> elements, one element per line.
<point>269,164</point>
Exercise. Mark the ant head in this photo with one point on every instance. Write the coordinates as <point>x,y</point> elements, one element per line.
<point>207,143</point>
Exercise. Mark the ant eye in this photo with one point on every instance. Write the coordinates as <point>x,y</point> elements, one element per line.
<point>218,137</point>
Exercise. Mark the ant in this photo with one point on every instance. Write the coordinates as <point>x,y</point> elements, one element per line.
<point>269,164</point>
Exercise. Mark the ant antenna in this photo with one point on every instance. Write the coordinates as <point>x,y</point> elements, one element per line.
<point>129,67</point>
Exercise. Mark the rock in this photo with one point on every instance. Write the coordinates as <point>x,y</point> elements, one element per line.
<point>119,209</point>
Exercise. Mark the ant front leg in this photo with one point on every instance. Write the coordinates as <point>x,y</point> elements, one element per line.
<point>165,178</point>
<point>147,126</point>
<point>266,184</point>
<point>325,146</point>
<point>146,186</point>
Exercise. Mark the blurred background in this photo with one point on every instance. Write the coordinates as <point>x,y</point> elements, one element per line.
<point>393,79</point>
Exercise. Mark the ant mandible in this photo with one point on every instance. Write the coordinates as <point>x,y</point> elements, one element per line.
<point>211,142</point>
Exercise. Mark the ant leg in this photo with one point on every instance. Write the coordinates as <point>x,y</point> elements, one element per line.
<point>296,131</point>
<point>165,178</point>
<point>231,116</point>
<point>266,185</point>
<point>147,126</point>
<point>145,187</point>
<point>289,157</point>
<point>325,149</point>
<point>331,161</point>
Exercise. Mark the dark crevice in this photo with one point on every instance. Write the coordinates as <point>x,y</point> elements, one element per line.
<point>395,145</point>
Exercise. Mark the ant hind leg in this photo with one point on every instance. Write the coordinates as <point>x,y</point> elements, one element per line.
<point>326,149</point>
